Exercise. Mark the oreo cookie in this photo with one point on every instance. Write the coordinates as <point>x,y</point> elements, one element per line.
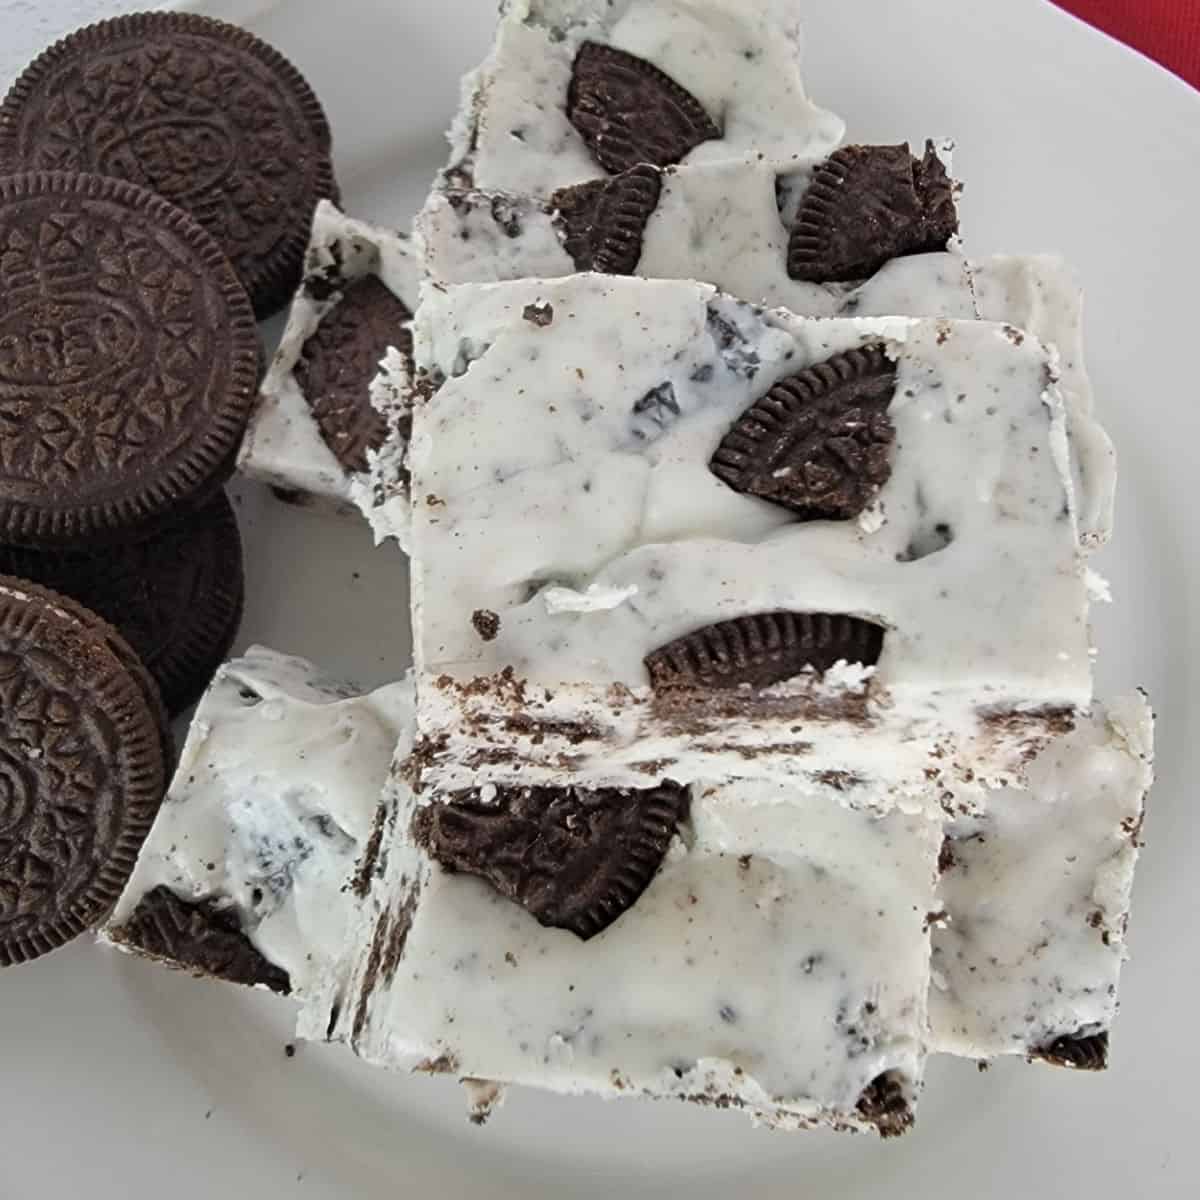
<point>602,222</point>
<point>338,362</point>
<point>197,936</point>
<point>574,858</point>
<point>867,205</point>
<point>1082,1052</point>
<point>884,1103</point>
<point>628,111</point>
<point>83,767</point>
<point>819,442</point>
<point>177,600</point>
<point>199,111</point>
<point>762,650</point>
<point>128,361</point>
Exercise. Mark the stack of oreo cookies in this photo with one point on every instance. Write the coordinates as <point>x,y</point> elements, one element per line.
<point>158,176</point>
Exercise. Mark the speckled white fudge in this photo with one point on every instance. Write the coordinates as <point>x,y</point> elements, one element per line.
<point>285,445</point>
<point>553,495</point>
<point>740,59</point>
<point>1040,294</point>
<point>724,223</point>
<point>1037,895</point>
<point>778,962</point>
<point>249,870</point>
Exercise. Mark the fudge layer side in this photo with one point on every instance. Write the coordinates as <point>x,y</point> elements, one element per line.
<point>1036,892</point>
<point>1040,294</point>
<point>249,872</point>
<point>777,962</point>
<point>569,526</point>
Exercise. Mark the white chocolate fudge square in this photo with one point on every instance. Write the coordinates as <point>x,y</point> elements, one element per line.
<point>777,962</point>
<point>737,59</point>
<point>310,433</point>
<point>568,525</point>
<point>1036,891</point>
<point>723,223</point>
<point>250,869</point>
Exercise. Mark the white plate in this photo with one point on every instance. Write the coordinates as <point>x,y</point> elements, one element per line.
<point>121,1080</point>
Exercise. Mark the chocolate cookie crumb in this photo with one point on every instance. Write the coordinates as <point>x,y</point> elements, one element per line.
<point>487,623</point>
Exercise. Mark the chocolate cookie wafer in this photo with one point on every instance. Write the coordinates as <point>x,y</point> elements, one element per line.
<point>82,769</point>
<point>177,598</point>
<point>128,358</point>
<point>196,110</point>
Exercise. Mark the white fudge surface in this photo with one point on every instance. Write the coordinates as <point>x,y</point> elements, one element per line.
<point>283,444</point>
<point>1037,893</point>
<point>778,961</point>
<point>272,805</point>
<point>739,58</point>
<point>716,222</point>
<point>1039,293</point>
<point>534,470</point>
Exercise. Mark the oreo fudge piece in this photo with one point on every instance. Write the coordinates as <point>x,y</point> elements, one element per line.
<point>736,542</point>
<point>785,935</point>
<point>321,414</point>
<point>730,224</point>
<point>1035,896</point>
<point>250,869</point>
<point>575,90</point>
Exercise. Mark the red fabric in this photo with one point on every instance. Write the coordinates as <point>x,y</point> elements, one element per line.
<point>1166,30</point>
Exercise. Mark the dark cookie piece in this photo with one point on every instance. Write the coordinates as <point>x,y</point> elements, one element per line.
<point>762,650</point>
<point>630,112</point>
<point>341,358</point>
<point>1083,1052</point>
<point>200,112</point>
<point>123,652</point>
<point>576,859</point>
<point>199,937</point>
<point>819,441</point>
<point>82,770</point>
<point>602,222</point>
<point>128,360</point>
<point>866,205</point>
<point>884,1104</point>
<point>177,599</point>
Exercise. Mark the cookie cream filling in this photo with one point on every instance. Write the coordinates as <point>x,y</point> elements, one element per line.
<point>574,429</point>
<point>252,860</point>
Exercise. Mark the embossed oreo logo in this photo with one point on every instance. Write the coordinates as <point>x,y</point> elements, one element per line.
<point>178,158</point>
<point>61,340</point>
